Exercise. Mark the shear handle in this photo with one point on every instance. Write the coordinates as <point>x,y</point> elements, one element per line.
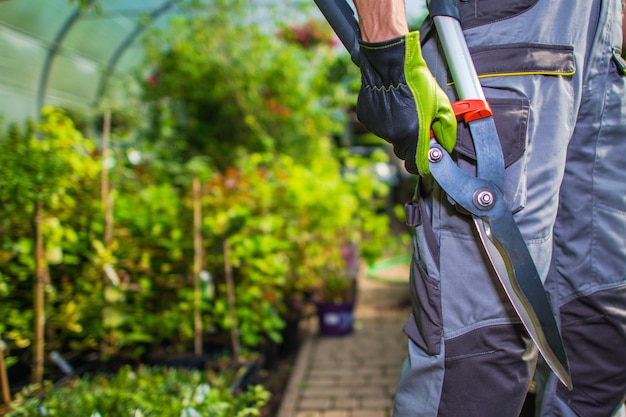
<point>470,110</point>
<point>341,18</point>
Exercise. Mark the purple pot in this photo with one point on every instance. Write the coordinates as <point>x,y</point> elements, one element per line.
<point>335,319</point>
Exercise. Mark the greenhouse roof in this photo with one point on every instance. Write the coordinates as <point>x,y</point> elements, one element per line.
<point>65,52</point>
<point>55,52</point>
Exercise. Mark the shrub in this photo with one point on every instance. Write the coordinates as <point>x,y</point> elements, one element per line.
<point>158,392</point>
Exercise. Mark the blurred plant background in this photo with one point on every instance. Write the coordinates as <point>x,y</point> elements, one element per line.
<point>214,193</point>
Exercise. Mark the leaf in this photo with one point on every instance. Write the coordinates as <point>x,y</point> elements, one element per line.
<point>113,318</point>
<point>113,295</point>
<point>54,254</point>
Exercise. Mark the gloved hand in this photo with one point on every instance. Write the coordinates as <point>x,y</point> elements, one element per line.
<point>401,102</point>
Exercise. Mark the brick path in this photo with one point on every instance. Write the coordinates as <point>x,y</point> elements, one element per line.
<point>353,375</point>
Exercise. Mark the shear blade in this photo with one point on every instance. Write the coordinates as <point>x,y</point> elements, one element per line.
<point>529,301</point>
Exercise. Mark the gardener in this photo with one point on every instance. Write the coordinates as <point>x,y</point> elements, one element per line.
<point>552,72</point>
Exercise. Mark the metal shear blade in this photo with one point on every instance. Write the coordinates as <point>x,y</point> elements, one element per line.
<point>532,311</point>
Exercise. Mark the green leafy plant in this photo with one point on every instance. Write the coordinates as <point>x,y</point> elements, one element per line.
<point>253,115</point>
<point>337,290</point>
<point>222,86</point>
<point>163,392</point>
<point>42,169</point>
<point>295,227</point>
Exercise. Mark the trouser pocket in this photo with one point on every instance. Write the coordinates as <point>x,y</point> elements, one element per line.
<point>508,73</point>
<point>475,13</point>
<point>425,327</point>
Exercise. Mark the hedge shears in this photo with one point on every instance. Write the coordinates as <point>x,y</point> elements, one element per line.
<point>481,196</point>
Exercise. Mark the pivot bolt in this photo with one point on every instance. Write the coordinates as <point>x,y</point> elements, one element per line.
<point>484,199</point>
<point>435,155</point>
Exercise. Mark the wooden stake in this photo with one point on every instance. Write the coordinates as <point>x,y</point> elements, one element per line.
<point>197,264</point>
<point>107,211</point>
<point>107,207</point>
<point>38,299</point>
<point>234,329</point>
<point>4,379</point>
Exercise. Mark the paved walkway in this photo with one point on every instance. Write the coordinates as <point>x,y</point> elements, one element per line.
<point>353,375</point>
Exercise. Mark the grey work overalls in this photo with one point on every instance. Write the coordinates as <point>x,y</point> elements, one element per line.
<point>559,102</point>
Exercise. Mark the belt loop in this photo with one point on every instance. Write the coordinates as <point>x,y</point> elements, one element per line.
<point>413,214</point>
<point>412,211</point>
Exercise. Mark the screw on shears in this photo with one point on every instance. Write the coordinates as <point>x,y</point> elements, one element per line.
<point>435,155</point>
<point>483,199</point>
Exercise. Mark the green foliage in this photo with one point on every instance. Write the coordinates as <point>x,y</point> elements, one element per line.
<point>249,112</point>
<point>149,299</point>
<point>51,163</point>
<point>219,88</point>
<point>147,391</point>
<point>286,224</point>
<point>289,225</point>
<point>369,221</point>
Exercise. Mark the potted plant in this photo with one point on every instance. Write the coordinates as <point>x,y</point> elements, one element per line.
<point>336,296</point>
<point>360,231</point>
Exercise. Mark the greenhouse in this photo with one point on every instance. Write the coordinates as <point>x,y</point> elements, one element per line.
<point>64,53</point>
<point>184,185</point>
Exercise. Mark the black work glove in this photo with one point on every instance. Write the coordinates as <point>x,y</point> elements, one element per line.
<point>401,102</point>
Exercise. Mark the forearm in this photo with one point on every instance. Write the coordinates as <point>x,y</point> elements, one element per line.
<point>380,20</point>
